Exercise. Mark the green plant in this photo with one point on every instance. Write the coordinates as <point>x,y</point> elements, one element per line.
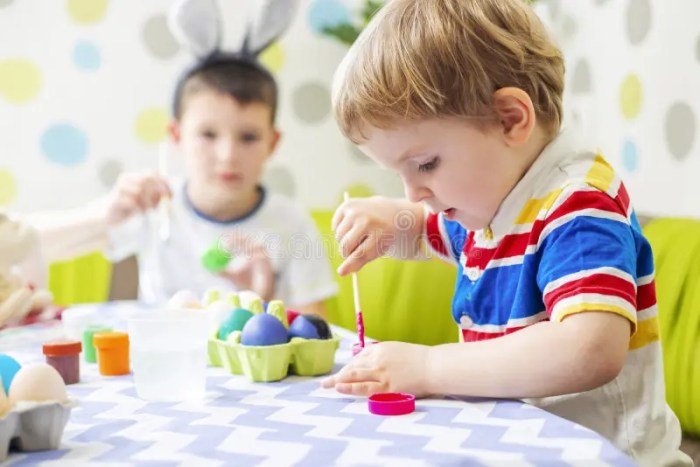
<point>347,33</point>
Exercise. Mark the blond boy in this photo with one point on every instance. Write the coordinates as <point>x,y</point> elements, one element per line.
<point>555,290</point>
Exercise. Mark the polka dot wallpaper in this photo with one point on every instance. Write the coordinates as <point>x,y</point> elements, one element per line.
<point>632,73</point>
<point>89,98</point>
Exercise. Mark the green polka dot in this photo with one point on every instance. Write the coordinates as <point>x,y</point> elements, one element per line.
<point>152,125</point>
<point>273,57</point>
<point>8,188</point>
<point>631,96</point>
<point>20,80</point>
<point>87,11</point>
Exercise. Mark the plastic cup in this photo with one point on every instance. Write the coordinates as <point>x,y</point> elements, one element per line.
<point>169,354</point>
<point>76,320</point>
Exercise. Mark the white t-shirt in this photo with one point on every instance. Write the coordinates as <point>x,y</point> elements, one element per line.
<point>294,245</point>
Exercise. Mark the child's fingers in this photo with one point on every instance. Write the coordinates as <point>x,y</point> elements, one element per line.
<point>365,252</point>
<point>352,240</point>
<point>339,215</point>
<point>342,229</point>
<point>360,389</point>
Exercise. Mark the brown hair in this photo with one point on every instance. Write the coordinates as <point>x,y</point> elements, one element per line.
<point>243,81</point>
<point>422,59</point>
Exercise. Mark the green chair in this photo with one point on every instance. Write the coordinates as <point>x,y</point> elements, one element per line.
<point>676,246</point>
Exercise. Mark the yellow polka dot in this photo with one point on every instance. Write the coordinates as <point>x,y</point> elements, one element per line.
<point>357,190</point>
<point>8,188</point>
<point>152,125</point>
<point>631,97</point>
<point>20,80</point>
<point>273,57</point>
<point>87,11</point>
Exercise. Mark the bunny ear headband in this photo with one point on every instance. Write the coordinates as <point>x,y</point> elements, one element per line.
<point>196,24</point>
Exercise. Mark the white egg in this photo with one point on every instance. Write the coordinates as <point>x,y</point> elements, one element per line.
<point>184,299</point>
<point>38,382</point>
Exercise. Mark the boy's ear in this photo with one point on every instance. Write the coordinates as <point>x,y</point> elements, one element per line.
<point>174,131</point>
<point>274,142</point>
<point>516,114</point>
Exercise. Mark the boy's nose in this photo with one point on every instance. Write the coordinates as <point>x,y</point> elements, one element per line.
<point>417,193</point>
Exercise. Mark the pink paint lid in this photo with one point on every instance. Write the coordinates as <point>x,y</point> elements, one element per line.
<point>391,403</point>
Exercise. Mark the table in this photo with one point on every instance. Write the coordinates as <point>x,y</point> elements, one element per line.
<point>295,422</point>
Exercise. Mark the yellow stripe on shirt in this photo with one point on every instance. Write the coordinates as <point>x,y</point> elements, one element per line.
<point>583,307</point>
<point>535,205</point>
<point>647,332</point>
<point>601,174</point>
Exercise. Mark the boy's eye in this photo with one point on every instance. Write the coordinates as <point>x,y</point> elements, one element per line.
<point>430,165</point>
<point>208,134</point>
<point>249,137</point>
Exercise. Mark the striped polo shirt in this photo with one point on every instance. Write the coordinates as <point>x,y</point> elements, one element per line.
<point>566,240</point>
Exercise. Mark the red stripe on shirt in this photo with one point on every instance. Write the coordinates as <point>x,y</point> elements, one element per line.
<point>434,235</point>
<point>646,296</point>
<point>604,284</point>
<point>475,336</point>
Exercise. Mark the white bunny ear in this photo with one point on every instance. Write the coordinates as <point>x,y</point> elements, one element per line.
<point>196,24</point>
<point>273,19</point>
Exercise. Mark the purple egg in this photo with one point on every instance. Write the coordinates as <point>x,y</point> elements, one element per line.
<point>310,327</point>
<point>264,329</point>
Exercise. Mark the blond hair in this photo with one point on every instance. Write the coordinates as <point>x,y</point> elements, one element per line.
<point>421,59</point>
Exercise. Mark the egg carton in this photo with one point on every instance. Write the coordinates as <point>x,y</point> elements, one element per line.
<point>303,357</point>
<point>33,426</point>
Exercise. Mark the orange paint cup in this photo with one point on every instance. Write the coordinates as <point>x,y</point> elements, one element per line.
<point>112,352</point>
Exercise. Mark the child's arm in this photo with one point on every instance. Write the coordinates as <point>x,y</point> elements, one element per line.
<point>368,228</point>
<point>583,352</point>
<point>69,233</point>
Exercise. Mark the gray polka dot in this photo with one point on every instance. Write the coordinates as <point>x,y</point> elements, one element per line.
<point>601,2</point>
<point>311,102</point>
<point>638,20</point>
<point>697,50</point>
<point>109,172</point>
<point>280,180</point>
<point>581,83</point>
<point>680,130</point>
<point>4,3</point>
<point>158,39</point>
<point>358,155</point>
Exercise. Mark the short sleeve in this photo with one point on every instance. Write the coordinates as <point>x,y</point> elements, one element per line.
<point>587,257</point>
<point>306,276</point>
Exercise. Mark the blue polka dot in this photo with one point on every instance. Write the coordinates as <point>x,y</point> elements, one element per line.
<point>327,13</point>
<point>86,56</point>
<point>630,156</point>
<point>64,144</point>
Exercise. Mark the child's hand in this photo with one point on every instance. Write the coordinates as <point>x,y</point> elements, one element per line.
<point>367,228</point>
<point>384,367</point>
<point>134,194</point>
<point>251,267</point>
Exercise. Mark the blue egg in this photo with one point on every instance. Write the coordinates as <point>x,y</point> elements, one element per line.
<point>235,321</point>
<point>264,329</point>
<point>309,327</point>
<point>8,369</point>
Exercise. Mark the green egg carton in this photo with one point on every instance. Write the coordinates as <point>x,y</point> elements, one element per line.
<point>303,357</point>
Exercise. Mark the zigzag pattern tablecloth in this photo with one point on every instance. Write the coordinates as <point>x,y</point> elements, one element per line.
<point>294,422</point>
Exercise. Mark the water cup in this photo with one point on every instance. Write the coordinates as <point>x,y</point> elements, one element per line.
<point>169,354</point>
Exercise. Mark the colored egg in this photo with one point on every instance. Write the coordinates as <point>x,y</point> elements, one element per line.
<point>310,327</point>
<point>264,329</point>
<point>8,369</point>
<point>235,321</point>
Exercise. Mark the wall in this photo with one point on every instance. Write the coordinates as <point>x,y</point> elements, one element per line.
<point>85,87</point>
<point>633,72</point>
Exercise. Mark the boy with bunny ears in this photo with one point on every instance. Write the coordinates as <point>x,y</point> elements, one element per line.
<point>224,125</point>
